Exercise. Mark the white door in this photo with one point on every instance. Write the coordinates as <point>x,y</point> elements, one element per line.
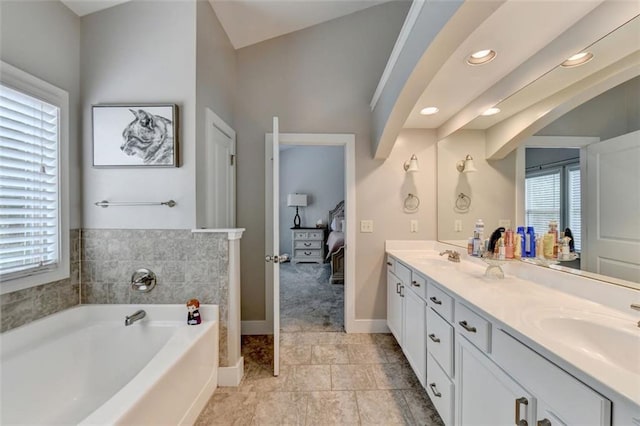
<point>220,177</point>
<point>612,204</point>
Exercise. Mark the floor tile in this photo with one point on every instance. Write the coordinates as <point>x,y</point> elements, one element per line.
<point>293,355</point>
<point>299,338</point>
<point>352,377</point>
<point>329,354</point>
<point>332,408</point>
<point>366,354</point>
<point>229,409</point>
<point>281,408</point>
<point>383,407</point>
<point>309,378</point>
<point>395,376</point>
<point>421,407</point>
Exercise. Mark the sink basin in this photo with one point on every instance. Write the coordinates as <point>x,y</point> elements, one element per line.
<point>611,340</point>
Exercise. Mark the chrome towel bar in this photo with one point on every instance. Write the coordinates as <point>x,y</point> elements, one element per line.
<point>105,203</point>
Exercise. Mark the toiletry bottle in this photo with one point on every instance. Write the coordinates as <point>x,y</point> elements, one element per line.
<point>480,229</point>
<point>470,246</point>
<point>553,230</point>
<point>508,244</point>
<point>517,246</point>
<point>501,248</point>
<point>476,244</point>
<point>523,241</point>
<point>566,249</point>
<point>549,243</point>
<point>531,242</point>
<point>539,247</point>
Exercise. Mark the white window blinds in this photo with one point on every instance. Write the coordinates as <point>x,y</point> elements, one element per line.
<point>29,184</point>
<point>574,213</point>
<point>542,200</point>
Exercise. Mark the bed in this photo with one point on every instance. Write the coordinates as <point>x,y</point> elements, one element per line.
<point>335,243</point>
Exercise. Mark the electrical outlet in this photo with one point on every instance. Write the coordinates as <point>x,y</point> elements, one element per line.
<point>457,225</point>
<point>366,226</point>
<point>504,223</point>
<point>414,225</point>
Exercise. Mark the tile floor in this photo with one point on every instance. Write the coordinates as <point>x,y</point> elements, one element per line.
<point>327,378</point>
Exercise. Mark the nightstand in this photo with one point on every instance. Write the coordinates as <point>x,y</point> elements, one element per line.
<point>307,245</point>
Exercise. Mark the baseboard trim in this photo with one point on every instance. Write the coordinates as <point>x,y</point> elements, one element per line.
<point>369,326</point>
<point>231,376</point>
<point>249,328</point>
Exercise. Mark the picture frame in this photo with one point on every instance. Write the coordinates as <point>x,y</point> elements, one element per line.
<point>135,135</point>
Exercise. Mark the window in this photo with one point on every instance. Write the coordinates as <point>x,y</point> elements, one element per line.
<point>33,232</point>
<point>554,194</point>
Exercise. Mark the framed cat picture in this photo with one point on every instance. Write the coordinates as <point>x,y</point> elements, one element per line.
<point>135,135</point>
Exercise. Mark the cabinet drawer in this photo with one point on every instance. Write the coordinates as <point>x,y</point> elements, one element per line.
<point>315,235</point>
<point>403,273</point>
<point>308,244</point>
<point>418,284</point>
<point>473,327</point>
<point>300,235</point>
<point>440,341</point>
<point>561,394</point>
<point>440,301</point>
<point>308,254</point>
<point>440,390</point>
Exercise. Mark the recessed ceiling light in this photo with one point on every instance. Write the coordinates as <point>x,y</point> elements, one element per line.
<point>491,111</point>
<point>429,110</point>
<point>577,59</point>
<point>481,57</point>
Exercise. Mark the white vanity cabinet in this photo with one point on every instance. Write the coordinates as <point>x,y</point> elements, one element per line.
<point>394,305</point>
<point>414,345</point>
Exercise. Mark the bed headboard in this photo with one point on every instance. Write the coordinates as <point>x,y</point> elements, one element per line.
<point>338,210</point>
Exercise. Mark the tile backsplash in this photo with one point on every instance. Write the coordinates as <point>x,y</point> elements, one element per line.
<point>23,306</point>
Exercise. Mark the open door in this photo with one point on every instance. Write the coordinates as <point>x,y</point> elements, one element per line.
<point>274,258</point>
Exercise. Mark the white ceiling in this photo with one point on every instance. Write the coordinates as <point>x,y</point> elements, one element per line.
<point>247,22</point>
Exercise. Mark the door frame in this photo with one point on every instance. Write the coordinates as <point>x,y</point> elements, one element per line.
<point>214,120</point>
<point>347,140</point>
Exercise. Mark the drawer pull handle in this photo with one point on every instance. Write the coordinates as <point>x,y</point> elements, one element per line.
<point>520,401</point>
<point>415,283</point>
<point>544,422</point>
<point>398,288</point>
<point>307,244</point>
<point>434,338</point>
<point>433,388</point>
<point>307,253</point>
<point>401,293</point>
<point>435,300</point>
<point>389,263</point>
<point>467,327</point>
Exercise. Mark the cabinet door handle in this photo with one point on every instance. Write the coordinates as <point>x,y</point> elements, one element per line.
<point>433,388</point>
<point>398,288</point>
<point>389,263</point>
<point>415,283</point>
<point>467,327</point>
<point>435,300</point>
<point>520,401</point>
<point>401,293</point>
<point>434,338</point>
<point>544,422</point>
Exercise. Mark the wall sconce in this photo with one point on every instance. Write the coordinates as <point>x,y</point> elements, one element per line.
<point>296,200</point>
<point>412,164</point>
<point>466,165</point>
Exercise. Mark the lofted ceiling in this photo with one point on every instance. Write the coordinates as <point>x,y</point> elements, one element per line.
<point>248,22</point>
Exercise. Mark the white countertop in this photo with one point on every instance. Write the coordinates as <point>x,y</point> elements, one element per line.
<point>527,309</point>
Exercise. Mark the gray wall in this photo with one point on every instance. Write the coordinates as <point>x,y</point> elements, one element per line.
<point>321,80</point>
<point>141,52</point>
<point>535,157</point>
<point>215,89</point>
<point>317,171</point>
<point>43,39</point>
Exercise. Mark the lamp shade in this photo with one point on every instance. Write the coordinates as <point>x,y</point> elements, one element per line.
<point>413,164</point>
<point>297,200</point>
<point>469,167</point>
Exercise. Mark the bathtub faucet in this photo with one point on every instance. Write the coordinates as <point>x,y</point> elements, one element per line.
<point>136,316</point>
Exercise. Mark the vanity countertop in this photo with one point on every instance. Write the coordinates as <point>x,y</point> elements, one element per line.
<point>581,336</point>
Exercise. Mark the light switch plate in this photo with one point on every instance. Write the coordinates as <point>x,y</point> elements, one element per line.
<point>366,226</point>
<point>414,225</point>
<point>457,225</point>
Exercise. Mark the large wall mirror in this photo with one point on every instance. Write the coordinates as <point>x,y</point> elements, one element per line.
<point>565,147</point>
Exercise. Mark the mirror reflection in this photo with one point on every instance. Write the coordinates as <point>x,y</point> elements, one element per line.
<point>579,173</point>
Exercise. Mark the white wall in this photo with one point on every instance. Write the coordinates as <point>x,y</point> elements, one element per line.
<point>141,52</point>
<point>321,79</point>
<point>317,171</point>
<point>215,89</point>
<point>43,39</point>
<point>491,188</point>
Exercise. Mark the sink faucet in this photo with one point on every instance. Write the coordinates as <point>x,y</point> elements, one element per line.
<point>454,256</point>
<point>636,306</point>
<point>136,316</point>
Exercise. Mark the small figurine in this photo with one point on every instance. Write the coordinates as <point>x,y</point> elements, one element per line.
<point>193,315</point>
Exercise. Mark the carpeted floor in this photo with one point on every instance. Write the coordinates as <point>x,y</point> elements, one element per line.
<point>308,301</point>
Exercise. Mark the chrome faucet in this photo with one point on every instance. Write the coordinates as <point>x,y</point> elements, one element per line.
<point>136,316</point>
<point>636,307</point>
<point>454,256</point>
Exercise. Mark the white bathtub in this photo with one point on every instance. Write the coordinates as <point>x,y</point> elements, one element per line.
<point>83,366</point>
